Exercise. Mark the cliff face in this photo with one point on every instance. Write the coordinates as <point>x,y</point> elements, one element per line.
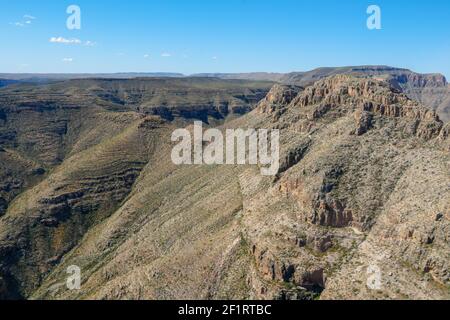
<point>71,151</point>
<point>359,159</point>
<point>431,90</point>
<point>42,125</point>
<point>362,187</point>
<point>433,93</point>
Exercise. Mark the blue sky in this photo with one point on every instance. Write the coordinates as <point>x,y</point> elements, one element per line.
<point>192,36</point>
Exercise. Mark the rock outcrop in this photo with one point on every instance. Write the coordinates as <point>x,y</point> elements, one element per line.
<point>278,97</point>
<point>362,188</point>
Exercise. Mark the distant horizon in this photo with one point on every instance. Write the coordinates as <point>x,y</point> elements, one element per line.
<point>212,73</point>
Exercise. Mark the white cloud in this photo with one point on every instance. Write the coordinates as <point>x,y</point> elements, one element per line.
<point>215,58</point>
<point>17,24</point>
<point>64,40</point>
<point>28,19</point>
<point>146,56</point>
<point>72,41</point>
<point>67,60</point>
<point>166,55</point>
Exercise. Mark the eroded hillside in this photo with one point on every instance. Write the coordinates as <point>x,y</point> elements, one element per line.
<point>71,151</point>
<point>42,125</point>
<point>432,90</point>
<point>363,182</point>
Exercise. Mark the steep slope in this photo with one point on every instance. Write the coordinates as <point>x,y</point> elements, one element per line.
<point>41,125</point>
<point>368,187</point>
<point>46,221</point>
<point>432,90</point>
<point>71,151</point>
<point>363,183</point>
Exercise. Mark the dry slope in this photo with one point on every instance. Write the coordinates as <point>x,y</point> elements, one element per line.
<point>363,183</point>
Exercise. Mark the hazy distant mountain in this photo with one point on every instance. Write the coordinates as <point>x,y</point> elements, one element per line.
<point>6,82</point>
<point>309,77</point>
<point>39,77</point>
<point>261,76</point>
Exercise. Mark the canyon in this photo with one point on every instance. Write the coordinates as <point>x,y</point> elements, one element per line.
<point>363,182</point>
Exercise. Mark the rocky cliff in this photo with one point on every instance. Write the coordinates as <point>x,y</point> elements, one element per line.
<point>362,190</point>
<point>432,90</point>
